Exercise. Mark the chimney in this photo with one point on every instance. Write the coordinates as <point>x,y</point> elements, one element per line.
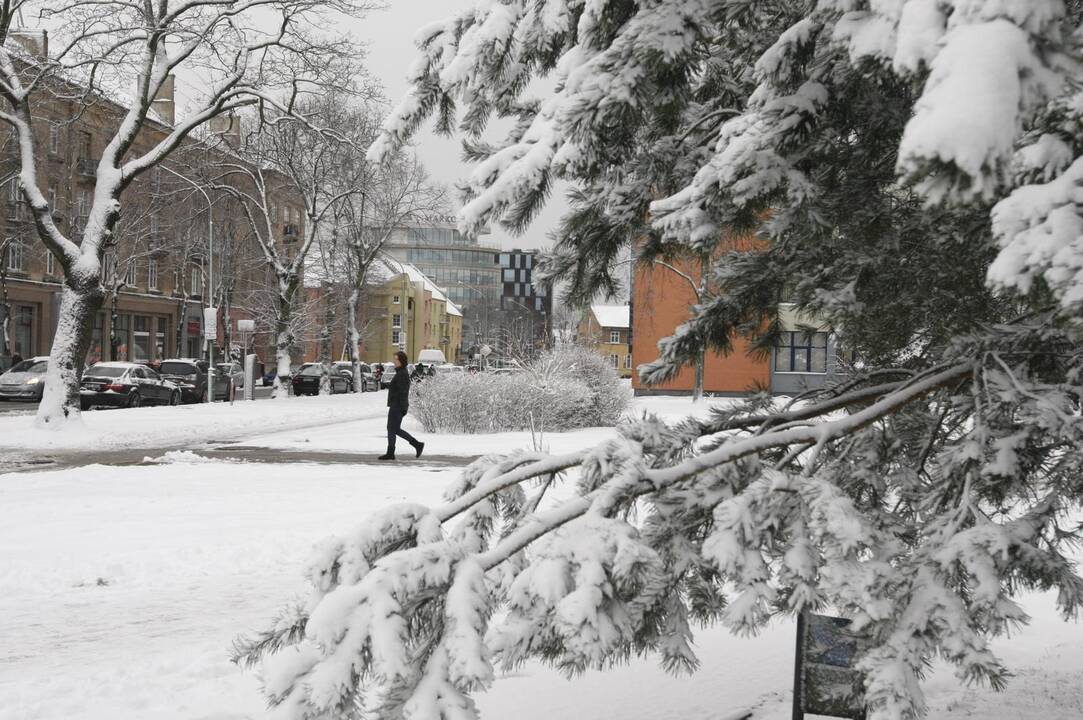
<point>35,42</point>
<point>228,127</point>
<point>163,103</point>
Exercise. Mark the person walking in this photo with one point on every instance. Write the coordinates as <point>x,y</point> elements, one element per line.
<point>398,403</point>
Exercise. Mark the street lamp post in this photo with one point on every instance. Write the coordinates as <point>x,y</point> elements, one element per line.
<point>210,274</point>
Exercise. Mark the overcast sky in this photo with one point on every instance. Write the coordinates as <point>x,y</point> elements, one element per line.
<point>389,34</point>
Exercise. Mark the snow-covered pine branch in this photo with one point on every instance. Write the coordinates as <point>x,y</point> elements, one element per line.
<point>663,528</point>
<point>905,172</point>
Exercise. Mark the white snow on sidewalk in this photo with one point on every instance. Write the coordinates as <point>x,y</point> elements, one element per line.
<point>370,435</point>
<point>121,589</point>
<point>184,425</point>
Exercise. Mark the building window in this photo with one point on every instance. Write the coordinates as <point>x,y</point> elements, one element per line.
<point>84,146</point>
<point>614,336</point>
<point>132,276</point>
<point>52,198</point>
<point>54,137</point>
<point>802,352</point>
<point>84,203</point>
<point>395,337</point>
<point>628,361</point>
<point>274,213</point>
<point>614,360</point>
<point>50,263</point>
<point>16,256</point>
<point>141,339</point>
<point>395,300</point>
<point>396,320</point>
<point>13,199</point>
<point>110,270</point>
<point>152,274</point>
<point>195,282</point>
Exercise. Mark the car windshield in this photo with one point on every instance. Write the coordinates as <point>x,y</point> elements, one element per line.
<point>178,368</point>
<point>30,366</point>
<point>312,370</point>
<point>107,371</point>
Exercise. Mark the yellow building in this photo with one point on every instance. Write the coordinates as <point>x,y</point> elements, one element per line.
<point>409,313</point>
<point>605,328</point>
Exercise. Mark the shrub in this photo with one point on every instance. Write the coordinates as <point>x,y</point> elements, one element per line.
<point>565,389</point>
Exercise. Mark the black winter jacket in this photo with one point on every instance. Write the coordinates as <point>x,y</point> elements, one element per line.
<point>398,392</point>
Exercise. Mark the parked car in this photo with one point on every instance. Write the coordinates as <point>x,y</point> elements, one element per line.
<point>189,375</point>
<point>389,372</point>
<point>368,376</point>
<point>126,384</point>
<point>307,380</point>
<point>448,369</point>
<point>223,373</point>
<point>432,356</point>
<point>25,380</point>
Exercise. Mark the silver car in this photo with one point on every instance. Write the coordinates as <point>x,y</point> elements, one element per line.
<point>25,380</point>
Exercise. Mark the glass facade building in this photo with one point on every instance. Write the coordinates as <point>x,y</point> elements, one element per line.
<point>468,269</point>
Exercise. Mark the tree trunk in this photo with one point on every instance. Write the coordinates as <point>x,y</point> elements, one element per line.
<point>182,323</point>
<point>701,295</point>
<point>283,336</point>
<point>79,304</point>
<point>325,341</point>
<point>113,299</point>
<point>5,306</point>
<point>353,333</point>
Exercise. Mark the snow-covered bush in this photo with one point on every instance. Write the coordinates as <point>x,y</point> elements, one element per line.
<point>564,389</point>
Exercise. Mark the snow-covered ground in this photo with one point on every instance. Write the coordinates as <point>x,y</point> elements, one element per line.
<point>369,435</point>
<point>149,427</point>
<point>121,589</point>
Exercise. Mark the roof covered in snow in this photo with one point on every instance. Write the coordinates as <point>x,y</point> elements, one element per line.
<point>611,316</point>
<point>388,267</point>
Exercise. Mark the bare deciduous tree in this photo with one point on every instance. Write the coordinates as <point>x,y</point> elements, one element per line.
<point>134,50</point>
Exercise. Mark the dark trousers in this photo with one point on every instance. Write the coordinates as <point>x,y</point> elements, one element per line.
<point>394,427</point>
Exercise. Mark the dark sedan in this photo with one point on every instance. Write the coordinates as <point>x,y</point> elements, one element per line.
<point>189,375</point>
<point>307,380</point>
<point>123,384</point>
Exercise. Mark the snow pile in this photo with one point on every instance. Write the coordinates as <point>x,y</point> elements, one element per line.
<point>178,457</point>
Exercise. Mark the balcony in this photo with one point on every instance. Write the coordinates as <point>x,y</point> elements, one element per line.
<point>86,167</point>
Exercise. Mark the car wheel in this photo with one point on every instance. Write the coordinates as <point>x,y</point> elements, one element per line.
<point>174,398</point>
<point>134,400</point>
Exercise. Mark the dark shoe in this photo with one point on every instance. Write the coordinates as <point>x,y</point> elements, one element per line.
<point>387,456</point>
<point>419,448</point>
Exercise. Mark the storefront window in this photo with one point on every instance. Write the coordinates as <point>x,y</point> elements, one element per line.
<point>23,334</point>
<point>160,337</point>
<point>141,339</point>
<point>122,336</point>
<point>97,340</point>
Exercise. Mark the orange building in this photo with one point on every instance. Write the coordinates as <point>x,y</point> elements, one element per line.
<point>662,298</point>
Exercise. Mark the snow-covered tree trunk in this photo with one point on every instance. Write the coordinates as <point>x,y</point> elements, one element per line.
<point>284,335</point>
<point>5,305</point>
<point>327,328</point>
<point>353,336</point>
<point>79,304</point>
